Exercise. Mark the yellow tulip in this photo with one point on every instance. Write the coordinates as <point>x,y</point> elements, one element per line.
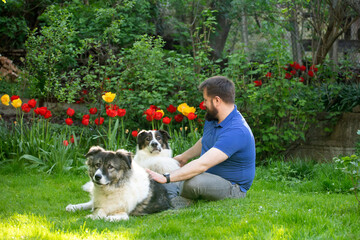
<point>181,107</point>
<point>109,97</point>
<point>188,110</point>
<point>5,99</point>
<point>4,1</point>
<point>16,103</point>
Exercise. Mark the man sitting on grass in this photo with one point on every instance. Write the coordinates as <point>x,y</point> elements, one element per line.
<point>226,166</point>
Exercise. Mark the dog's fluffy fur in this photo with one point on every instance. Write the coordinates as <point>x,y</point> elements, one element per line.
<point>120,187</point>
<point>153,151</point>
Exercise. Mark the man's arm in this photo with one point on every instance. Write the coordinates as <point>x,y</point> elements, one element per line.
<point>211,158</point>
<point>192,152</point>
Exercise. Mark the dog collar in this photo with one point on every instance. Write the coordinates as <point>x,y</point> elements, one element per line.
<point>167,175</point>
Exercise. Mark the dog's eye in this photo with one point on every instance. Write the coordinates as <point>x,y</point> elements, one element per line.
<point>110,167</point>
<point>97,165</point>
<point>148,139</point>
<point>158,138</point>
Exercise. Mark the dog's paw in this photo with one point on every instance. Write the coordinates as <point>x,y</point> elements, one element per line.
<point>71,208</point>
<point>93,217</point>
<point>118,217</point>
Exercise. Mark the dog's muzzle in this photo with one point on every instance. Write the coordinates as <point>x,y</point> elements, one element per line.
<point>155,146</point>
<point>99,178</point>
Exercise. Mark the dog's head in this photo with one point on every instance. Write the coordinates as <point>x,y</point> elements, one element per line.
<point>108,167</point>
<point>153,140</point>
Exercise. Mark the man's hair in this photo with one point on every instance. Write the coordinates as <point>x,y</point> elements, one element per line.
<point>219,86</point>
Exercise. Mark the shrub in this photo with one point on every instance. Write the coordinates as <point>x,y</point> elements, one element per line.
<point>350,165</point>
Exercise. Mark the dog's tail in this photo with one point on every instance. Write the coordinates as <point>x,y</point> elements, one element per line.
<point>88,187</point>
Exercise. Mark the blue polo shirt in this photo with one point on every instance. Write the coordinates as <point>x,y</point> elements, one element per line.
<point>232,136</point>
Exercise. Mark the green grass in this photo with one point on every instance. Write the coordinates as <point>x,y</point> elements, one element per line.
<point>33,207</point>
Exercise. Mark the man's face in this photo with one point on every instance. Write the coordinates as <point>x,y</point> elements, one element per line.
<point>211,111</point>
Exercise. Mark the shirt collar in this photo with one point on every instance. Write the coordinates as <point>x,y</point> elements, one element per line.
<point>227,119</point>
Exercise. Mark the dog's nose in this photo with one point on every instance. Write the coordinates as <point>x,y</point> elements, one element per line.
<point>154,144</point>
<point>97,177</point>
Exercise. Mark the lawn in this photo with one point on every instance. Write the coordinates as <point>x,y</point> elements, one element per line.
<point>33,207</point>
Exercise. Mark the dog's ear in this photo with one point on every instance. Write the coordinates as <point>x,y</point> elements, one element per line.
<point>140,133</point>
<point>94,150</point>
<point>127,156</point>
<point>165,134</point>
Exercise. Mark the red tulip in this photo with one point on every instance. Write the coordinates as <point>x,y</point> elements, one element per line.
<point>303,68</point>
<point>14,97</point>
<point>134,133</point>
<point>72,140</point>
<point>268,75</point>
<point>288,75</point>
<point>178,118</point>
<point>166,120</point>
<point>25,108</point>
<point>293,72</point>
<point>201,106</point>
<point>32,103</point>
<point>121,112</point>
<point>111,113</point>
<point>69,121</point>
<point>258,83</point>
<point>297,66</point>
<point>158,115</point>
<point>65,142</point>
<point>47,114</point>
<point>191,116</point>
<point>86,116</point>
<point>149,118</point>
<point>85,121</point>
<point>310,73</point>
<point>93,110</point>
<point>301,79</point>
<point>70,112</point>
<point>99,121</point>
<point>40,110</point>
<point>171,108</point>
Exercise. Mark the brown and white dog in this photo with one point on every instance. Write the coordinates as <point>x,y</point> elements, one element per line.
<point>120,187</point>
<point>153,151</point>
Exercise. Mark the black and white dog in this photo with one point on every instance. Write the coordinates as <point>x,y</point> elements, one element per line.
<point>120,187</point>
<point>153,151</point>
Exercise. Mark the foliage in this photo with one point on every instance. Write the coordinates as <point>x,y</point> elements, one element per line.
<point>350,165</point>
<point>277,105</point>
<point>49,53</point>
<point>340,97</point>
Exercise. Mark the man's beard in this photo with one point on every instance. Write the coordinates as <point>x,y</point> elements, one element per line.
<point>211,115</point>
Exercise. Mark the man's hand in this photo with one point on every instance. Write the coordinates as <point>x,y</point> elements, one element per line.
<point>156,176</point>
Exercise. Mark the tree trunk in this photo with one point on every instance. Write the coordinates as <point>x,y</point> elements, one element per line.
<point>218,38</point>
<point>244,33</point>
<point>294,31</point>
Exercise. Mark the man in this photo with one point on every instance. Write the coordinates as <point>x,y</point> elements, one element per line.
<point>226,166</point>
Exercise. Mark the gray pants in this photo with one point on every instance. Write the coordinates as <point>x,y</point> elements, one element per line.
<point>205,186</point>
